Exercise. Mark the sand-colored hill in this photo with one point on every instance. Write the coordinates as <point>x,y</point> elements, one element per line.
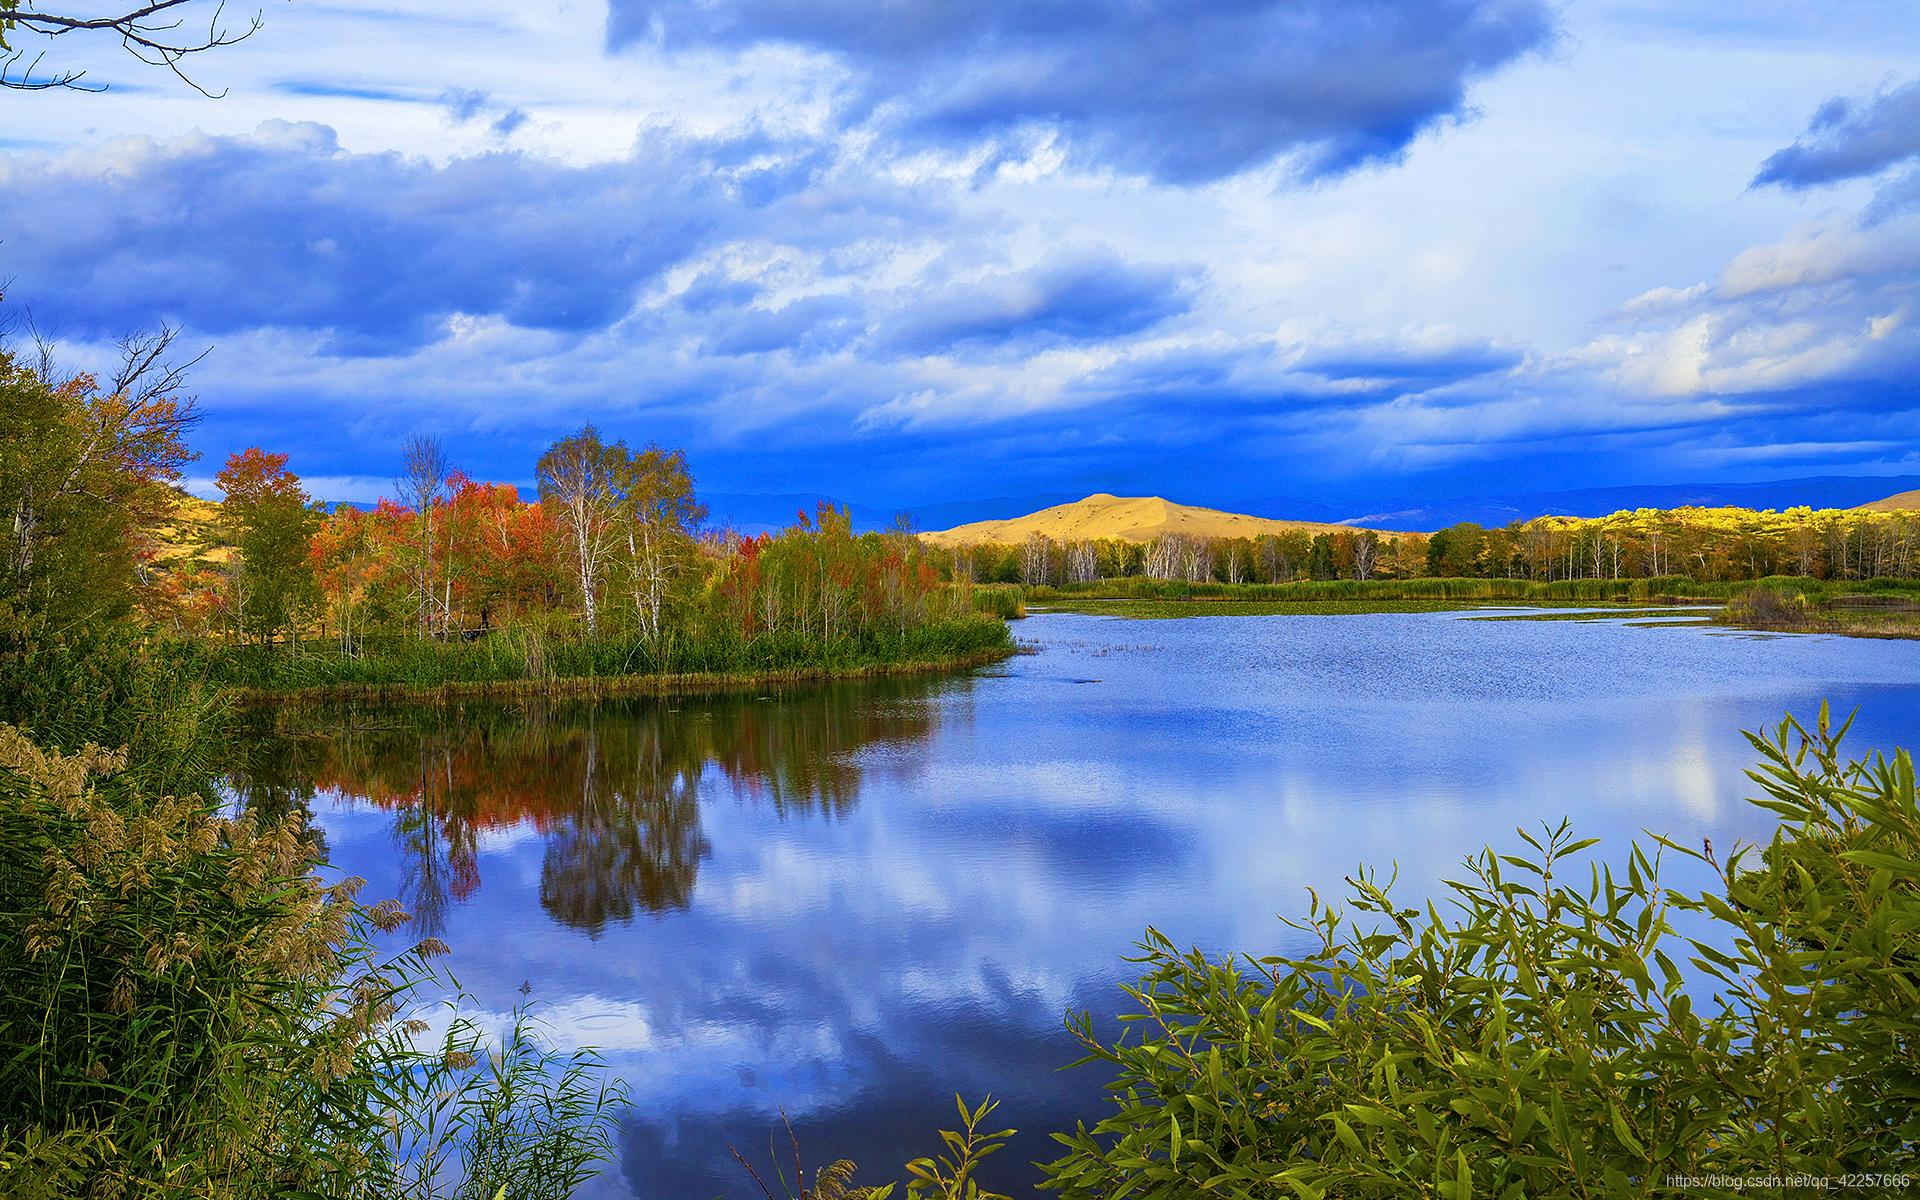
<point>1905,500</point>
<point>188,535</point>
<point>1127,518</point>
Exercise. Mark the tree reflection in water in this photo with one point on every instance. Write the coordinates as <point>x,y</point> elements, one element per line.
<point>614,786</point>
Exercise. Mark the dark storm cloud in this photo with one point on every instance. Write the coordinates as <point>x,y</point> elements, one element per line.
<point>283,229</point>
<point>1848,139</point>
<point>1090,297</point>
<point>1185,92</point>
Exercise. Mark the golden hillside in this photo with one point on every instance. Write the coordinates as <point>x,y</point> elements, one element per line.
<point>1126,518</point>
<point>188,534</point>
<point>1905,500</point>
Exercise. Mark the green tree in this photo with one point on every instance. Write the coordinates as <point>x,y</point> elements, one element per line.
<point>1320,558</point>
<point>1455,552</point>
<point>658,515</point>
<point>84,471</point>
<point>271,522</point>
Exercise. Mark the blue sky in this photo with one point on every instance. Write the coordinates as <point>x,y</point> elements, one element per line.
<point>1316,256</point>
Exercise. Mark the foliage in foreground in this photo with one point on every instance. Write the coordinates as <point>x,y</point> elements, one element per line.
<point>948,1176</point>
<point>190,1012</point>
<point>1539,1038</point>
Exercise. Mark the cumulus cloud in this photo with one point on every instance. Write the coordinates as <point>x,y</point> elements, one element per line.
<point>1828,305</point>
<point>466,105</point>
<point>1849,139</point>
<point>1069,298</point>
<point>1180,91</point>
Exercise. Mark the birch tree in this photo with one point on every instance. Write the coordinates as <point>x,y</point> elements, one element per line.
<point>658,514</point>
<point>424,471</point>
<point>579,484</point>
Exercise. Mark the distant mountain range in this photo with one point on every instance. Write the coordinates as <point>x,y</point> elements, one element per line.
<point>1820,491</point>
<point>752,514</point>
<point>1127,518</point>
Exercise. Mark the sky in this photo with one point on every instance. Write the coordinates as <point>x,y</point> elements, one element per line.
<point>1307,257</point>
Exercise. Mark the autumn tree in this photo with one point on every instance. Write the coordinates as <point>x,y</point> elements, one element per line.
<point>271,522</point>
<point>658,515</point>
<point>84,475</point>
<point>580,478</point>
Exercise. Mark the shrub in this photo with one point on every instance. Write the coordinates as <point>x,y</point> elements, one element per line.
<point>190,1012</point>
<point>1769,608</point>
<point>1533,1037</point>
<point>949,1176</point>
<point>1008,603</point>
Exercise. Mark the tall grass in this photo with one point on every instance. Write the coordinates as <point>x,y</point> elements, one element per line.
<point>545,662</point>
<point>112,687</point>
<point>190,1012</point>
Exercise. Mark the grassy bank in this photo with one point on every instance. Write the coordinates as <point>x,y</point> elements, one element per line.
<point>527,662</point>
<point>609,686</point>
<point>1666,589</point>
<point>1208,607</point>
<point>1781,606</point>
<point>1857,608</point>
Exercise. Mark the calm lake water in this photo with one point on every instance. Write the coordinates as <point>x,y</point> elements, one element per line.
<point>853,902</point>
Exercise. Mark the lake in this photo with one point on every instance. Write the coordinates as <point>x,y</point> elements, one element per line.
<point>851,902</point>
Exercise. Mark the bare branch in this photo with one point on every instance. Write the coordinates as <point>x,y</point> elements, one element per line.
<point>145,372</point>
<point>152,32</point>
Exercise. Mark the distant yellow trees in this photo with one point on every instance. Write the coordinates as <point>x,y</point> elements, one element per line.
<point>1706,544</point>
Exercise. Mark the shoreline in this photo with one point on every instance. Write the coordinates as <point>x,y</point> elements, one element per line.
<point>1708,612</point>
<point>598,687</point>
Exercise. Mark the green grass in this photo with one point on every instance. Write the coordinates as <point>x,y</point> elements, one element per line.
<point>1669,589</point>
<point>1700,613</point>
<point>524,661</point>
<point>1784,606</point>
<point>1171,609</point>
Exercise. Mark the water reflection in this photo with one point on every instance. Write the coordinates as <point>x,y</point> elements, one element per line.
<point>865,899</point>
<point>614,789</point>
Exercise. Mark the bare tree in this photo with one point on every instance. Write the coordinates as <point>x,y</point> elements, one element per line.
<point>424,470</point>
<point>1366,553</point>
<point>1036,555</point>
<point>1166,556</point>
<point>160,33</point>
<point>577,482</point>
<point>1083,565</point>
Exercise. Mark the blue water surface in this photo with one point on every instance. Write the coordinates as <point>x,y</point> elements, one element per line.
<point>851,903</point>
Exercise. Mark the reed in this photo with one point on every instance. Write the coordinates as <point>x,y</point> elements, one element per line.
<point>191,1012</point>
<point>530,662</point>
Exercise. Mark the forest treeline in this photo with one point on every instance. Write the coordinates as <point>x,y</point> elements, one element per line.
<point>1709,545</point>
<point>606,571</point>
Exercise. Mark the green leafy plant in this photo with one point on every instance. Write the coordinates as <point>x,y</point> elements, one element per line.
<point>1533,1036</point>
<point>948,1176</point>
